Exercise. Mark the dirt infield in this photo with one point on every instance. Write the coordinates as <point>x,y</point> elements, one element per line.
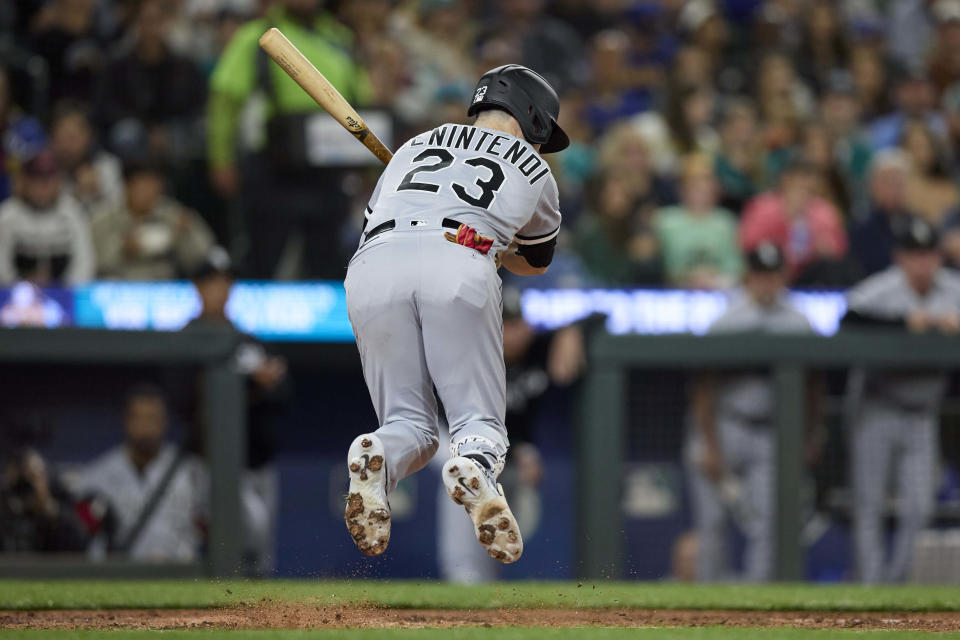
<point>285,616</point>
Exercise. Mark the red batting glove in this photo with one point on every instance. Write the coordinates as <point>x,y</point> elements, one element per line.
<point>468,237</point>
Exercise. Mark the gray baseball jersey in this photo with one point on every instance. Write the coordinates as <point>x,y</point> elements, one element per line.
<point>487,179</point>
<point>887,295</point>
<point>744,408</point>
<point>426,312</point>
<point>895,430</point>
<point>751,395</point>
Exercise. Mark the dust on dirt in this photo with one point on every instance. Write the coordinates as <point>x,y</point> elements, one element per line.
<point>269,615</point>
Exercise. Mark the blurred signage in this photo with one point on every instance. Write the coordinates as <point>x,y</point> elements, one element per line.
<point>658,311</point>
<point>24,305</point>
<point>272,311</point>
<point>329,144</point>
<point>317,311</point>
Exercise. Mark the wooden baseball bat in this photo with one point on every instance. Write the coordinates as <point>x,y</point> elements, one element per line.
<point>319,88</point>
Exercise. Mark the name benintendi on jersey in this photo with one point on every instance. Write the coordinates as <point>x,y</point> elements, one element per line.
<point>519,153</point>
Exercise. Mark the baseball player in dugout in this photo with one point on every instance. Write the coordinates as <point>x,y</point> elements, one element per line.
<point>424,299</point>
<point>731,452</point>
<point>895,415</point>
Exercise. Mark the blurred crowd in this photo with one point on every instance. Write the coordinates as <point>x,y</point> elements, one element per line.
<point>138,133</point>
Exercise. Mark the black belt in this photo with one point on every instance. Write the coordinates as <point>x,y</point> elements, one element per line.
<point>389,225</point>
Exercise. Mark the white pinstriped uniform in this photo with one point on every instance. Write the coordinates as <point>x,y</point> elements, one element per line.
<point>895,430</point>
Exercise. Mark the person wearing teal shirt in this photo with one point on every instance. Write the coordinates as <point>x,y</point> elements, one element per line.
<point>698,240</point>
<point>272,174</point>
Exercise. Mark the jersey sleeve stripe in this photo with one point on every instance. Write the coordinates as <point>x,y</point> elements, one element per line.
<point>546,237</point>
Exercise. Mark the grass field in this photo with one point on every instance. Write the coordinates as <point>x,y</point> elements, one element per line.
<point>196,610</point>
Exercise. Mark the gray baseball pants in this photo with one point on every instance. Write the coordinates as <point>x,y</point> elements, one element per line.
<point>426,313</point>
<point>887,441</point>
<point>748,454</point>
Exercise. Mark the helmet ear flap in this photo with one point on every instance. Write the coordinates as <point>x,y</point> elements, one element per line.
<point>538,128</point>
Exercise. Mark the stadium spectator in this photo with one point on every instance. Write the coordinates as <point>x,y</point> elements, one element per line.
<point>545,43</point>
<point>44,234</point>
<point>817,149</point>
<point>730,455</point>
<point>437,47</point>
<point>824,48</point>
<point>282,190</point>
<point>698,240</point>
<point>839,113</point>
<point>148,235</point>
<point>944,65</point>
<point>36,511</point>
<point>910,25</point>
<point>871,236</point>
<point>268,391</point>
<point>802,225</point>
<point>64,33</point>
<point>615,237</point>
<point>615,92</point>
<point>870,75</point>
<point>21,136</point>
<point>739,160</point>
<point>914,99</point>
<point>154,490</point>
<point>895,431</point>
<point>690,112</point>
<point>782,96</point>
<point>149,96</point>
<point>93,176</point>
<point>931,187</point>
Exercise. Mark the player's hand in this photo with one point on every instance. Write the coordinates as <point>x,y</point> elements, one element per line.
<point>470,238</point>
<point>949,323</point>
<point>528,464</point>
<point>226,181</point>
<point>270,373</point>
<point>712,463</point>
<point>919,321</point>
<point>566,358</point>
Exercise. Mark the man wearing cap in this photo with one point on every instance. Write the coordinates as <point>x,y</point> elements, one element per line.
<point>268,391</point>
<point>730,454</point>
<point>44,236</point>
<point>895,414</point>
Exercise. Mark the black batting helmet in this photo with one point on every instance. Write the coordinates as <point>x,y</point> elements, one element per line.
<point>528,97</point>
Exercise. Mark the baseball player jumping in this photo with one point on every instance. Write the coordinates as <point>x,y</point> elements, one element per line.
<point>423,295</point>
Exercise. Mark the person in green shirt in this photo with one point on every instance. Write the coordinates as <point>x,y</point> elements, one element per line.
<point>698,240</point>
<point>271,171</point>
<point>614,238</point>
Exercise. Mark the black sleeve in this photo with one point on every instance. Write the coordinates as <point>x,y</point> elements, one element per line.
<point>857,320</point>
<point>538,255</point>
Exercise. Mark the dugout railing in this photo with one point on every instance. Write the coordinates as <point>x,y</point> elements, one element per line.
<point>225,419</point>
<point>603,422</point>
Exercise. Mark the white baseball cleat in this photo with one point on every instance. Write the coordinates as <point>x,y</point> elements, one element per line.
<point>368,513</point>
<point>473,486</point>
